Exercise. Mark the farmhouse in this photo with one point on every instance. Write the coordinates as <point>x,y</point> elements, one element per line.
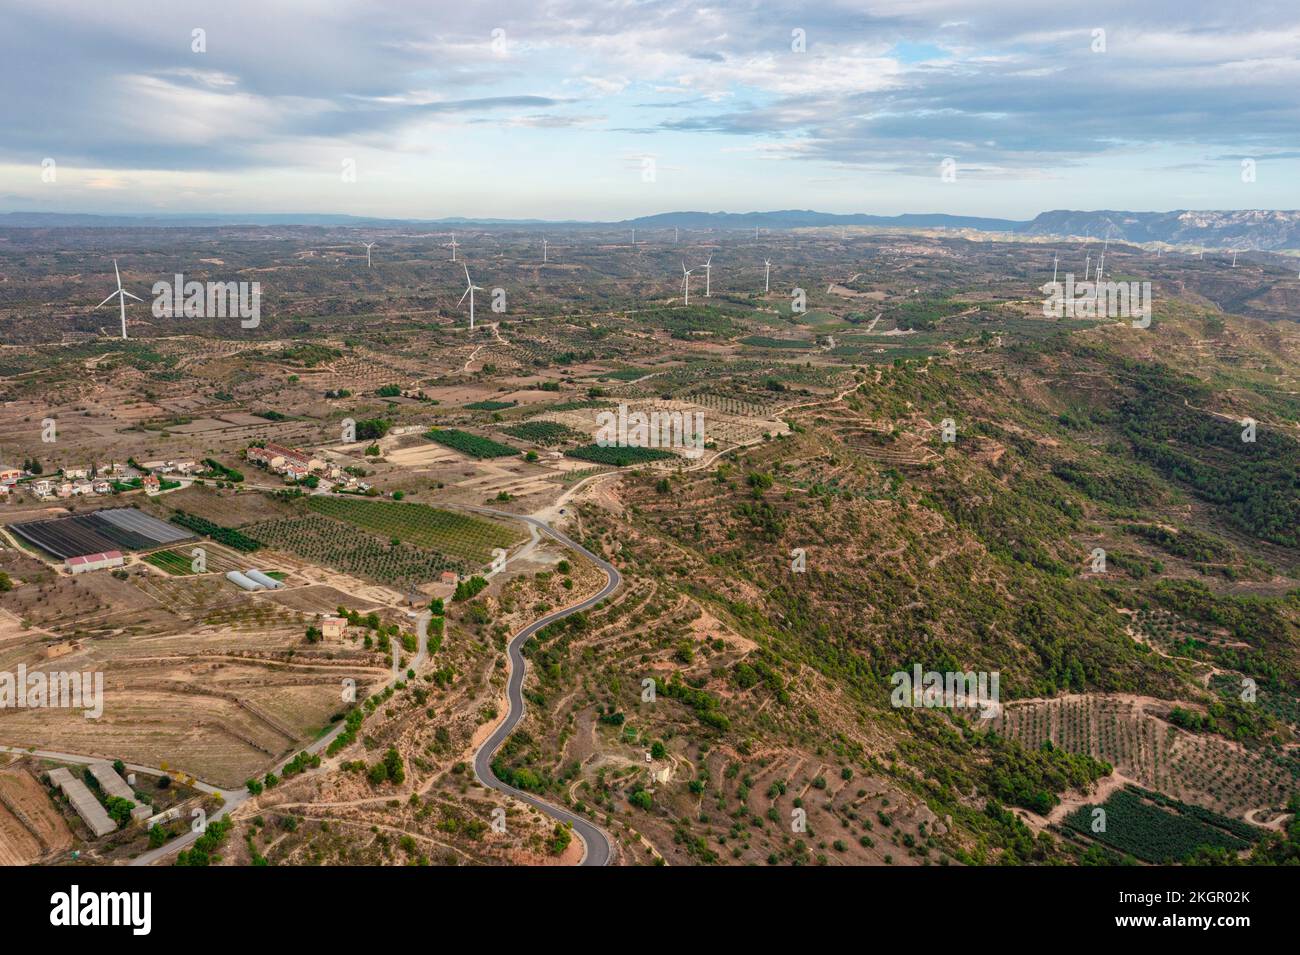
<point>333,627</point>
<point>88,562</point>
<point>10,475</point>
<point>290,461</point>
<point>151,483</point>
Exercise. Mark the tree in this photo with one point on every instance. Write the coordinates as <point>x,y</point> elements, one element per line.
<point>119,809</point>
<point>393,764</point>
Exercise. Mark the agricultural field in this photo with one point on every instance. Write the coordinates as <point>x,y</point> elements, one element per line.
<point>110,529</point>
<point>340,546</point>
<point>222,535</point>
<point>1159,830</point>
<point>471,444</point>
<point>618,456</point>
<point>546,433</point>
<point>459,535</point>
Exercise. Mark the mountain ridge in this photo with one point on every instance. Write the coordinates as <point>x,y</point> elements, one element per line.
<point>1241,229</point>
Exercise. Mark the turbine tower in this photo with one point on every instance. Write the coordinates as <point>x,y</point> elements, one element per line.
<point>544,250</point>
<point>453,243</point>
<point>369,245</point>
<point>1055,258</point>
<point>767,276</point>
<point>708,274</point>
<point>470,289</point>
<point>686,282</point>
<point>122,295</point>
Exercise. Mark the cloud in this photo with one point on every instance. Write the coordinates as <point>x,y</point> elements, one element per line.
<point>1007,87</point>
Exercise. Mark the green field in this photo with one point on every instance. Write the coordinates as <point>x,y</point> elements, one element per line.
<point>762,341</point>
<point>1161,830</point>
<point>625,374</point>
<point>490,405</point>
<point>543,432</point>
<point>620,457</point>
<point>174,562</point>
<point>470,444</point>
<point>457,535</point>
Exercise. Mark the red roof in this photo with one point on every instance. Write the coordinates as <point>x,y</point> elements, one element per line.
<point>94,558</point>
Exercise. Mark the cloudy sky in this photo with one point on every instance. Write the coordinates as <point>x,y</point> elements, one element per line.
<point>604,109</point>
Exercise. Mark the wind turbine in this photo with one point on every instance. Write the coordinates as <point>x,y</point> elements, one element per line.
<point>1055,258</point>
<point>543,250</point>
<point>122,295</point>
<point>1087,265</point>
<point>767,276</point>
<point>708,274</point>
<point>469,290</point>
<point>674,235</point>
<point>686,282</point>
<point>1234,259</point>
<point>453,243</point>
<point>369,245</point>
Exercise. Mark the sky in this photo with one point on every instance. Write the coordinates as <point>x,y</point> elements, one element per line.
<point>609,109</point>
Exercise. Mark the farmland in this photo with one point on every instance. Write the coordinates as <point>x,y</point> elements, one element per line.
<point>1160,830</point>
<point>342,547</point>
<point>458,535</point>
<point>471,444</point>
<point>222,535</point>
<point>546,433</point>
<point>617,456</point>
<point>112,529</point>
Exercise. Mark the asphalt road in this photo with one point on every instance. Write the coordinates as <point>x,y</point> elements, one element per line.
<point>597,843</point>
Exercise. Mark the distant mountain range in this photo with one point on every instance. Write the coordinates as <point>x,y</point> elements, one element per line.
<point>1233,229</point>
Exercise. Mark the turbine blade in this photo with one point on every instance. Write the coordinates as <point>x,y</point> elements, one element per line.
<point>106,301</point>
<point>463,297</point>
<point>118,274</point>
<point>129,295</point>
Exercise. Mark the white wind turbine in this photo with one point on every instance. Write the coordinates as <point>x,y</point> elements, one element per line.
<point>1087,266</point>
<point>686,282</point>
<point>674,235</point>
<point>708,275</point>
<point>453,243</point>
<point>1055,258</point>
<point>767,276</point>
<point>470,289</point>
<point>122,295</point>
<point>369,246</point>
<point>1234,259</point>
<point>544,244</point>
<point>1101,263</point>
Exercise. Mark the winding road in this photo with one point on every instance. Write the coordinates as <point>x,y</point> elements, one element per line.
<point>597,844</point>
